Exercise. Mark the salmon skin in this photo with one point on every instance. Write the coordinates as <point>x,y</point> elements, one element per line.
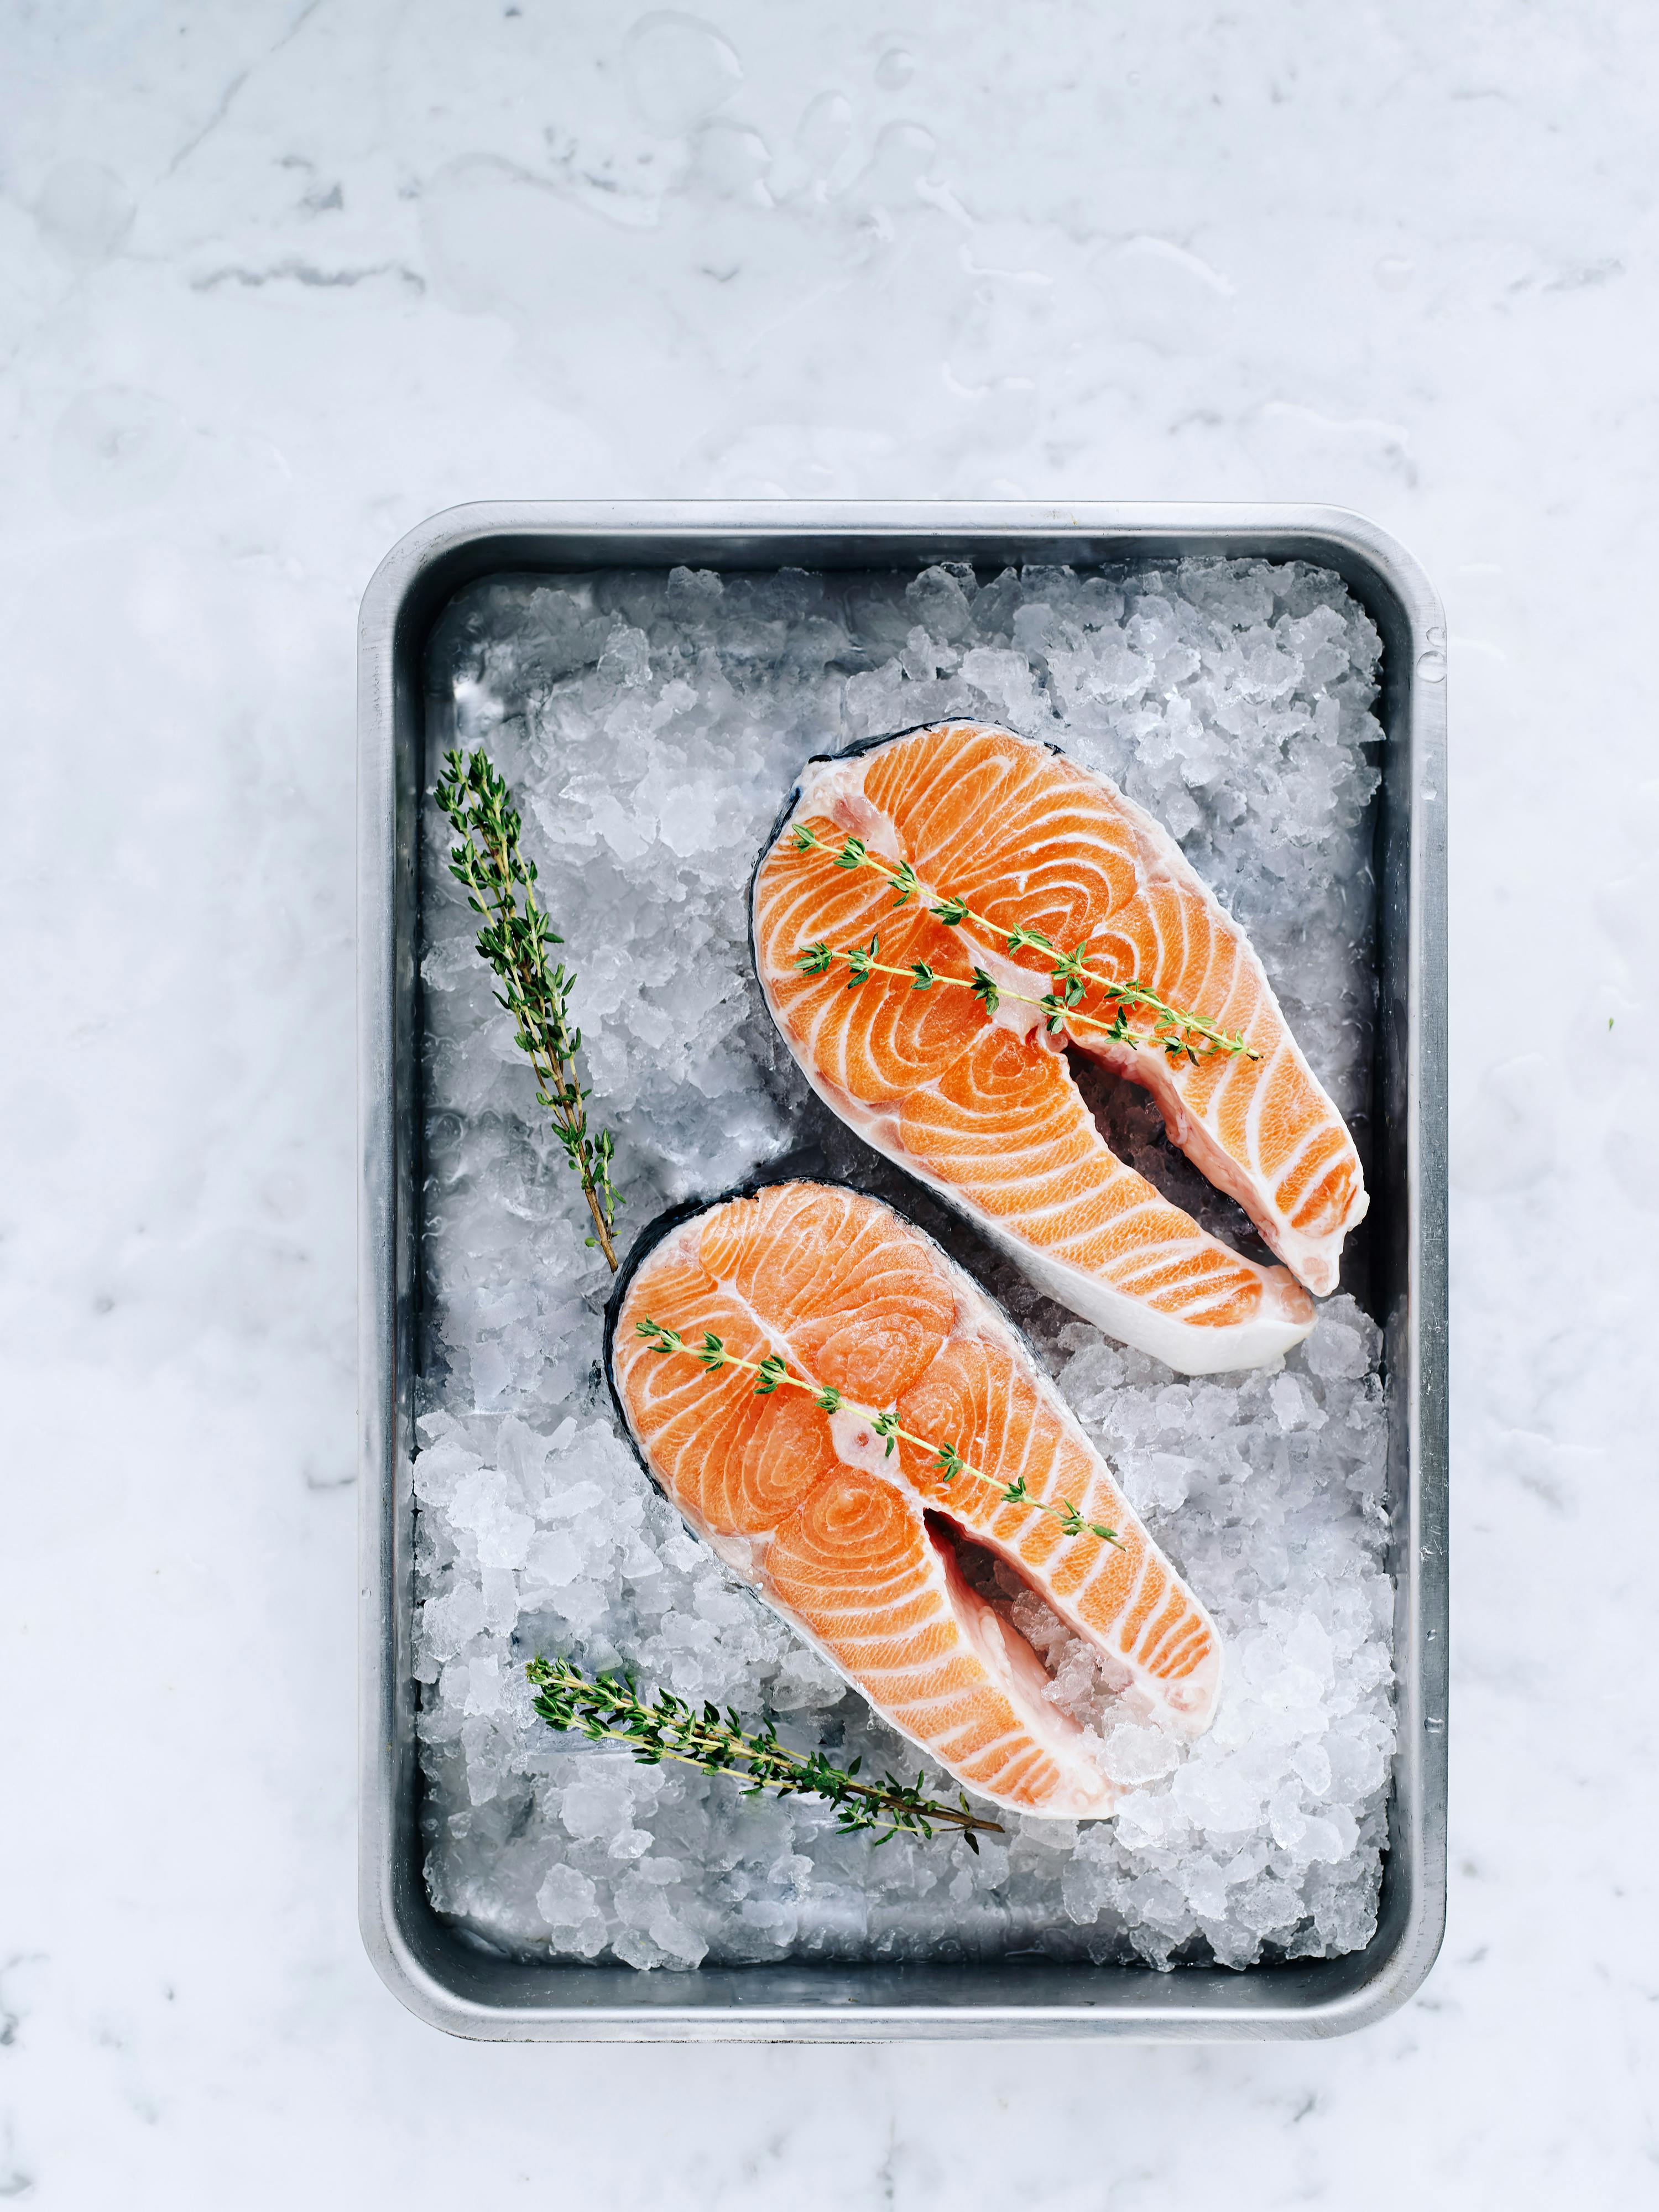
<point>855,1545</point>
<point>981,1106</point>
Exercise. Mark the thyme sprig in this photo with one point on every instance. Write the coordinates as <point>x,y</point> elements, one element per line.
<point>944,1459</point>
<point>862,964</point>
<point>609,1709</point>
<point>1180,1035</point>
<point>515,940</point>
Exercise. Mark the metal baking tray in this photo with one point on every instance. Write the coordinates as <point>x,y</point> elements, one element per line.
<point>451,1982</point>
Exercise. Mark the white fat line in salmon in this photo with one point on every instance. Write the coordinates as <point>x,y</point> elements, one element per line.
<point>774,1373</point>
<point>1175,1031</point>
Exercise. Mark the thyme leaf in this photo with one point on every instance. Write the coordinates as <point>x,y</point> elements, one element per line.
<point>861,961</point>
<point>986,991</point>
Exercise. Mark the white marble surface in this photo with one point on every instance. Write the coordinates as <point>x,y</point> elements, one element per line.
<point>278,279</point>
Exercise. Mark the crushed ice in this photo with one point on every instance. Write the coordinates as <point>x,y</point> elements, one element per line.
<point>652,726</point>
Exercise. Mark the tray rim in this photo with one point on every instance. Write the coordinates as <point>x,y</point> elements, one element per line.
<point>420,569</point>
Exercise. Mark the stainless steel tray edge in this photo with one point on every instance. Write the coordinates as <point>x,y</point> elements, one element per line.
<point>452,1984</point>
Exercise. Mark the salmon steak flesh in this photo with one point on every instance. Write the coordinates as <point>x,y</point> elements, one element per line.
<point>833,1496</point>
<point>972,1093</point>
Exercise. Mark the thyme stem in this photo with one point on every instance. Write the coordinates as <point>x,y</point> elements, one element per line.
<point>817,960</point>
<point>608,1709</point>
<point>1177,1033</point>
<point>490,865</point>
<point>774,1373</point>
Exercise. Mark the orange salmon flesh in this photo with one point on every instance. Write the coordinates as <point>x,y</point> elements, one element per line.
<point>855,1546</point>
<point>983,1106</point>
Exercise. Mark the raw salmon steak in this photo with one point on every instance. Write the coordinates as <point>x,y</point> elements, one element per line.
<point>856,1545</point>
<point>982,1104</point>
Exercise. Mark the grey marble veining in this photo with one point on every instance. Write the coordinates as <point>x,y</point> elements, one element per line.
<point>278,280</point>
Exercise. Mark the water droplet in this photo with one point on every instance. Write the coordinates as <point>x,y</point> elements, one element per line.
<point>1432,666</point>
<point>896,69</point>
<point>730,163</point>
<point>1394,272</point>
<point>823,139</point>
<point>679,69</point>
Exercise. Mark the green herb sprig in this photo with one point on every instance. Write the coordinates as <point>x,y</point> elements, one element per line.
<point>862,964</point>
<point>1180,1035</point>
<point>608,1709</point>
<point>944,1459</point>
<point>515,941</point>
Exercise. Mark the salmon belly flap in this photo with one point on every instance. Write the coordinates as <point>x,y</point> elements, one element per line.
<point>977,1099</point>
<point>856,1545</point>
